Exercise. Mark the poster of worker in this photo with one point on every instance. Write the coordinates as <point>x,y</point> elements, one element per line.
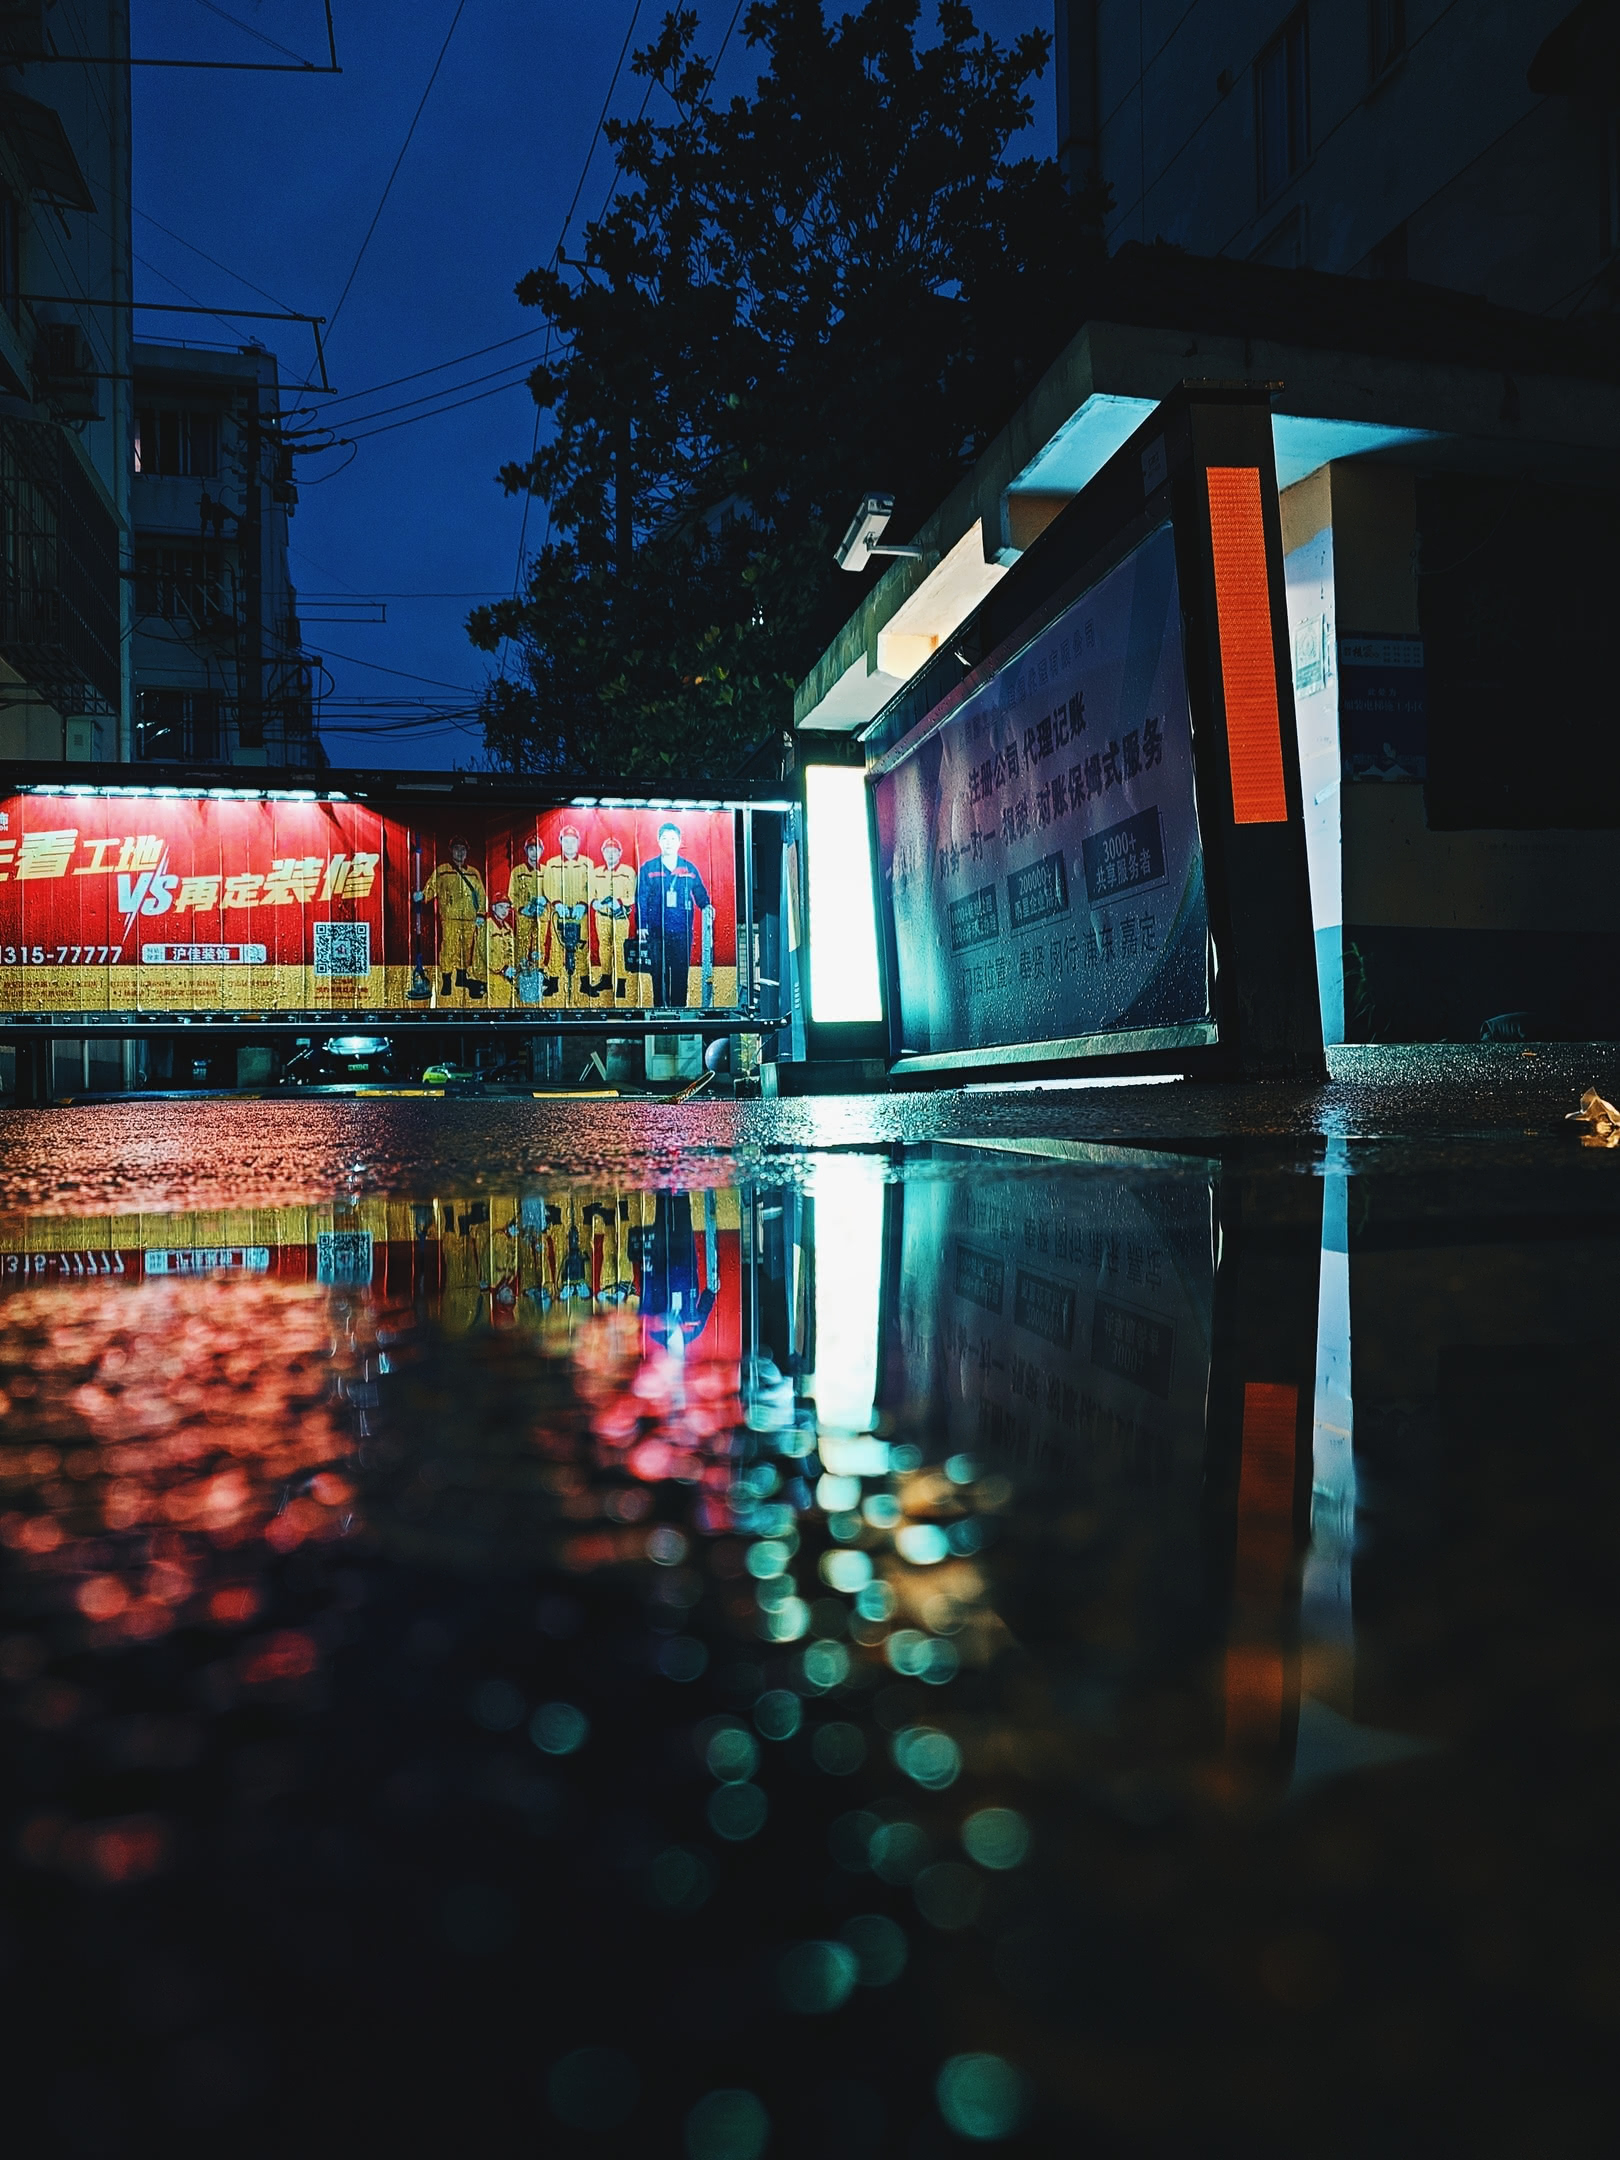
<point>155,902</point>
<point>1040,844</point>
<point>581,910</point>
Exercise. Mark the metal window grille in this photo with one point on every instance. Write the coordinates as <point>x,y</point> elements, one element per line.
<point>58,571</point>
<point>1282,106</point>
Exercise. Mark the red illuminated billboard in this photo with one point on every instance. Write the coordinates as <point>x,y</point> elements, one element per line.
<point>140,903</point>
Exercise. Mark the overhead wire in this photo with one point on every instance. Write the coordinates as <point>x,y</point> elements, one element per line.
<point>237,23</point>
<point>192,247</point>
<point>393,175</point>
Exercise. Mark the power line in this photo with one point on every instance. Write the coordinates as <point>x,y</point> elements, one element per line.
<point>394,174</point>
<point>427,396</point>
<point>438,412</point>
<point>352,397</point>
<point>206,257</point>
<point>404,674</point>
<point>237,23</point>
<point>584,174</point>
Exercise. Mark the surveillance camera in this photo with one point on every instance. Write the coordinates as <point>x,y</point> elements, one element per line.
<point>856,548</point>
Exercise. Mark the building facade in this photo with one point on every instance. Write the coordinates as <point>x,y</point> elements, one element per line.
<point>1467,143</point>
<point>65,404</point>
<point>219,673</point>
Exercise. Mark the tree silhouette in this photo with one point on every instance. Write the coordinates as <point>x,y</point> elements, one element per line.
<point>837,283</point>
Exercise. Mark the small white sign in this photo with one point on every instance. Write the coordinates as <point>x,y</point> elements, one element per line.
<point>203,956</point>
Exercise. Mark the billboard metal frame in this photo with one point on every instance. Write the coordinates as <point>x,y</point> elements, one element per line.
<point>1204,462</point>
<point>405,796</point>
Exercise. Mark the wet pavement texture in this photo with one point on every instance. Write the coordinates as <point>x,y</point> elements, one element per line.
<point>1059,1624</point>
<point>1480,1106</point>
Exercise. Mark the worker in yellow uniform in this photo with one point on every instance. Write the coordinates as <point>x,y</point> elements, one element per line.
<point>565,884</point>
<point>528,912</point>
<point>500,946</point>
<point>613,895</point>
<point>457,891</point>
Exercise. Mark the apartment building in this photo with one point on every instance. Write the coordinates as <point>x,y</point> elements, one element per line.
<point>219,673</point>
<point>1466,143</point>
<point>65,406</point>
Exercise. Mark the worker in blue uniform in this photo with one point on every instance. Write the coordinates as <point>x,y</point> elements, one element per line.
<point>669,894</point>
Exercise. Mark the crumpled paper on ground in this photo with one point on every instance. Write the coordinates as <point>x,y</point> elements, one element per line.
<point>1601,1118</point>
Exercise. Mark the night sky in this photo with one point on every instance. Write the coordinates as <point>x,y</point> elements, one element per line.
<point>278,176</point>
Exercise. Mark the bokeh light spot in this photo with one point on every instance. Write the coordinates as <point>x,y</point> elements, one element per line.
<point>927,1756</point>
<point>837,1495</point>
<point>558,1728</point>
<point>497,1706</point>
<point>767,1559</point>
<point>879,1944</point>
<point>961,1469</point>
<point>838,1748</point>
<point>826,1665</point>
<point>680,1879</point>
<point>949,1895</point>
<point>882,1510</point>
<point>666,1545</point>
<point>849,1839</point>
<point>876,1602</point>
<point>778,1714</point>
<point>727,2125</point>
<point>846,1571</point>
<point>817,1977</point>
<point>898,1851</point>
<point>737,1812</point>
<point>682,1658</point>
<point>594,2088</point>
<point>981,2096</point>
<point>997,1837</point>
<point>789,1621</point>
<point>732,1755</point>
<point>921,1544</point>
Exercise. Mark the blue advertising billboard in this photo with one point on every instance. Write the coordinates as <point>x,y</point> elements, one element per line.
<point>1039,845</point>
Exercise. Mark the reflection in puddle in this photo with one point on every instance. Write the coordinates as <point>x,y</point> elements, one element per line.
<point>847,1667</point>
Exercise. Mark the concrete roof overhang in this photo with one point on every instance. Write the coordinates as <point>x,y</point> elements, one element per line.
<point>1439,381</point>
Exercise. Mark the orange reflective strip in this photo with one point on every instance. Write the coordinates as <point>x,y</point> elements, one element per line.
<point>1263,1562</point>
<point>1248,657</point>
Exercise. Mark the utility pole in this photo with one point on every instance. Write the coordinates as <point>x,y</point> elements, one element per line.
<point>1075,58</point>
<point>250,669</point>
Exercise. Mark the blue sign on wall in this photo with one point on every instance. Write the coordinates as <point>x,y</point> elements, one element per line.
<point>1039,846</point>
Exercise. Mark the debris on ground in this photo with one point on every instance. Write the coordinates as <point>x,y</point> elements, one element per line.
<point>1601,1118</point>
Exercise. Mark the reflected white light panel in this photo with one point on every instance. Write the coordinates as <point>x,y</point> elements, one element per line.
<point>848,1194</point>
<point>843,921</point>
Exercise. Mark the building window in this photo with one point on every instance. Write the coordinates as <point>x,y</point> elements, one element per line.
<point>179,724</point>
<point>1386,34</point>
<point>184,585</point>
<point>1282,107</point>
<point>172,443</point>
<point>10,253</point>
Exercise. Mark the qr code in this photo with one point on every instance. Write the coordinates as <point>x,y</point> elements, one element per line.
<point>343,1256</point>
<point>342,948</point>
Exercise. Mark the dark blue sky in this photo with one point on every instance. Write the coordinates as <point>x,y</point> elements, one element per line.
<point>278,176</point>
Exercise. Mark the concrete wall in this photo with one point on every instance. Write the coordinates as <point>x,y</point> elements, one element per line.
<point>1446,167</point>
<point>77,260</point>
<point>1426,929</point>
